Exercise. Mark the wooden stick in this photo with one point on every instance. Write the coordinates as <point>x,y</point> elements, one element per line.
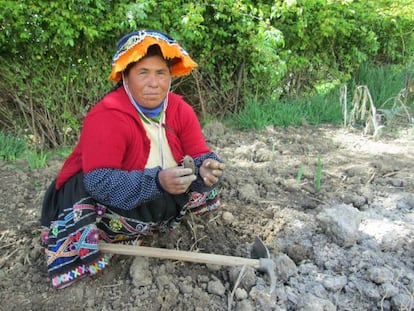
<point>164,253</point>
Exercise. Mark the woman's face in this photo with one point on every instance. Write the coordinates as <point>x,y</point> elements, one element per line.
<point>149,81</point>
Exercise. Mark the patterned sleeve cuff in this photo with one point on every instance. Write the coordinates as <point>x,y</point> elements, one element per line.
<point>198,185</point>
<point>157,182</point>
<point>123,189</point>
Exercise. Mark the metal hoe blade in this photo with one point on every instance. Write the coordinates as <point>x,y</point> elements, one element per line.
<point>261,252</point>
<point>259,249</point>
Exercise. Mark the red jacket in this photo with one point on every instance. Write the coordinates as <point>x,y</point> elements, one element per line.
<point>113,136</point>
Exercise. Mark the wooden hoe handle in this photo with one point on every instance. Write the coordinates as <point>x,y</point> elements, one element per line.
<point>164,253</point>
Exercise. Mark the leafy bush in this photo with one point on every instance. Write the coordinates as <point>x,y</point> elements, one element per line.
<point>393,26</point>
<point>52,55</point>
<point>325,40</point>
<point>55,55</point>
<point>236,48</point>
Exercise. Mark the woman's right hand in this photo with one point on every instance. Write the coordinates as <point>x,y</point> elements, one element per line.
<point>176,180</point>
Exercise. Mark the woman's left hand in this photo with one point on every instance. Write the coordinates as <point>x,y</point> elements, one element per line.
<point>211,171</point>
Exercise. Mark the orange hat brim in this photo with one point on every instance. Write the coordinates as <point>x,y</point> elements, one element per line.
<point>182,65</point>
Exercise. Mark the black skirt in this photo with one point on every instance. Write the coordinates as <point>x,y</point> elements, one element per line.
<point>73,225</point>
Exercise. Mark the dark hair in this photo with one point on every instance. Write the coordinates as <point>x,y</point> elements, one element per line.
<point>153,50</point>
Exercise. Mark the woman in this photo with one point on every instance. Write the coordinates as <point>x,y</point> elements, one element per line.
<point>124,179</point>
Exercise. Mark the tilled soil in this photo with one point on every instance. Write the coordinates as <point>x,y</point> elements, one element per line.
<point>335,208</point>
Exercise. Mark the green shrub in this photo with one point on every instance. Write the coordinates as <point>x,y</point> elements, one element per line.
<point>393,27</point>
<point>325,40</point>
<point>55,55</point>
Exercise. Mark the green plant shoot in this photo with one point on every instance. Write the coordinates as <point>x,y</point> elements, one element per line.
<point>300,174</point>
<point>318,175</point>
<point>36,159</point>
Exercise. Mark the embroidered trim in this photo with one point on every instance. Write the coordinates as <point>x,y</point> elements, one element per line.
<point>72,240</point>
<point>65,279</point>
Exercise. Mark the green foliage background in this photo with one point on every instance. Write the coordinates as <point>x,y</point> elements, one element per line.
<point>55,55</point>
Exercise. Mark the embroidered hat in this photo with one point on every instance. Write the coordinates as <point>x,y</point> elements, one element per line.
<point>133,46</point>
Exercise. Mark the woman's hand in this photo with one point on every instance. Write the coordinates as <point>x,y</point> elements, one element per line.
<point>176,180</point>
<point>210,171</point>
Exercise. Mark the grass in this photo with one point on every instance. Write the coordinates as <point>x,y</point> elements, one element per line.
<point>62,152</point>
<point>11,147</point>
<point>383,99</point>
<point>36,159</point>
<point>300,174</point>
<point>314,110</point>
<point>385,84</point>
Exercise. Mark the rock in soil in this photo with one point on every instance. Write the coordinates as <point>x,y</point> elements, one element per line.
<point>343,242</point>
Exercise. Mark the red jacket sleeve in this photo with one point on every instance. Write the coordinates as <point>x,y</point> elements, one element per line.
<point>104,140</point>
<point>183,130</point>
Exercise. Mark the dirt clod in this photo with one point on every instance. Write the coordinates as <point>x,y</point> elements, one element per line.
<point>270,189</point>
